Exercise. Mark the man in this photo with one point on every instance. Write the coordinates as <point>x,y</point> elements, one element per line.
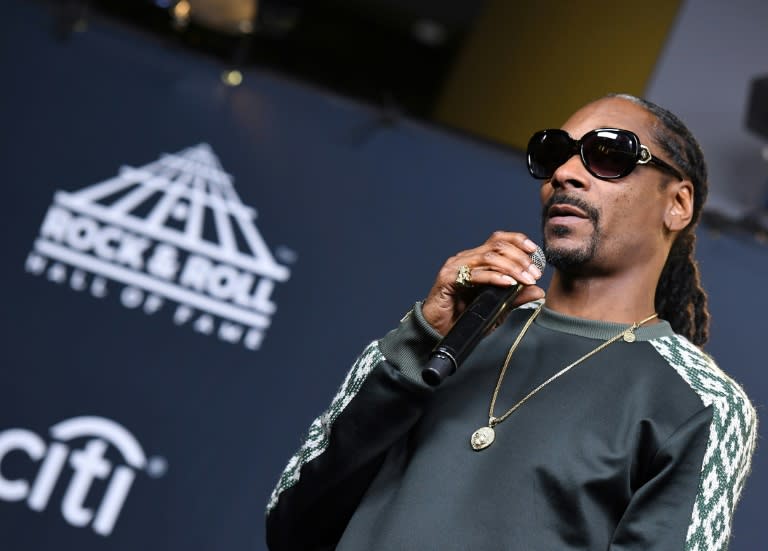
<point>591,420</point>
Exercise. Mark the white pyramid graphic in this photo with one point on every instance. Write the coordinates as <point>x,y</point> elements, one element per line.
<point>190,182</point>
<point>183,207</point>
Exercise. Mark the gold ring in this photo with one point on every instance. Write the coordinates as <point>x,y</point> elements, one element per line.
<point>464,276</point>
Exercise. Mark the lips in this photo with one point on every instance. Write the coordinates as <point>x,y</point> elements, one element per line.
<point>562,210</point>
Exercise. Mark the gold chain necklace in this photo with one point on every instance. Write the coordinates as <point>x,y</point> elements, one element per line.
<point>484,436</point>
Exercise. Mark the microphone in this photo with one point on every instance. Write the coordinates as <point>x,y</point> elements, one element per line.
<point>471,327</point>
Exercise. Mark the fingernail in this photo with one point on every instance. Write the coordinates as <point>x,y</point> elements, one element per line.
<point>527,278</point>
<point>534,271</point>
<point>530,245</point>
<point>509,280</point>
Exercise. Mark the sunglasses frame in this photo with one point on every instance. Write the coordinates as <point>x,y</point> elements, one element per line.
<point>642,154</point>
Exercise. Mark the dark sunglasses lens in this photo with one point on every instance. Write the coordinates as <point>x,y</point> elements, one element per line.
<point>609,154</point>
<point>547,150</point>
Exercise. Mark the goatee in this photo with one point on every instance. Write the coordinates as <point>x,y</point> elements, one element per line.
<point>570,259</point>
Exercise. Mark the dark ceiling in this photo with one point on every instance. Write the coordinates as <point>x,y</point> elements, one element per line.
<point>394,53</point>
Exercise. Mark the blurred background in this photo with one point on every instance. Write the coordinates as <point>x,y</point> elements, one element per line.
<point>213,205</point>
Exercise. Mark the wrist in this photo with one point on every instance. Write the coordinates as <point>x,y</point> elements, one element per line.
<point>431,314</point>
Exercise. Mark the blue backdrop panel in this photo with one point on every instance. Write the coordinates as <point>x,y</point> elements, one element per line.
<point>190,269</point>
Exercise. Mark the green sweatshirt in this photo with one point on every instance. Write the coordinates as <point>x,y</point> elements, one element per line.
<point>645,445</point>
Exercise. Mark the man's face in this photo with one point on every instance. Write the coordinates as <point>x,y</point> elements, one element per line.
<point>603,226</point>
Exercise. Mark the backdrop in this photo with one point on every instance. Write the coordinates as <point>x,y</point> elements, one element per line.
<point>190,269</point>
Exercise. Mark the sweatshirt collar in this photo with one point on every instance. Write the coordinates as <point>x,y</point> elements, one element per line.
<point>604,330</point>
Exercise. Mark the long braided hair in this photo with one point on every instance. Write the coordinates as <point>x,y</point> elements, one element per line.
<point>680,298</point>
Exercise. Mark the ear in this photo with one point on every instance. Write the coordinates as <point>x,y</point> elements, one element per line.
<point>680,206</point>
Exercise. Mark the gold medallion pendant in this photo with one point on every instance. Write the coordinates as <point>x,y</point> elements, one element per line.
<point>482,438</point>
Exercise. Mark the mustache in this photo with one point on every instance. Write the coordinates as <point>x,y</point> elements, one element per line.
<point>562,199</point>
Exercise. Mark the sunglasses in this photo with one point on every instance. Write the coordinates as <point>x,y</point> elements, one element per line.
<point>607,153</point>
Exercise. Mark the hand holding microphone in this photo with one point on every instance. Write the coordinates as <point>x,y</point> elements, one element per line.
<point>473,291</point>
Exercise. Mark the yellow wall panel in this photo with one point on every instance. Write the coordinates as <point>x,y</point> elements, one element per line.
<point>529,65</point>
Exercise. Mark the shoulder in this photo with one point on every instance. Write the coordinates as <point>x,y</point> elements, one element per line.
<point>734,417</point>
<point>731,440</point>
<point>700,372</point>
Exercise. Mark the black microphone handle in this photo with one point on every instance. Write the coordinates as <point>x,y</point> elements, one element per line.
<point>469,329</point>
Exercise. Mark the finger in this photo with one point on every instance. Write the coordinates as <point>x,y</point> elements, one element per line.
<point>514,250</point>
<point>505,260</point>
<point>519,267</point>
<point>528,293</point>
<point>519,240</point>
<point>489,276</point>
<point>501,239</point>
<point>492,267</point>
<point>510,253</point>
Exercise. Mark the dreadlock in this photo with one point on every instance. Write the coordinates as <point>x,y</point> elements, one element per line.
<point>680,298</point>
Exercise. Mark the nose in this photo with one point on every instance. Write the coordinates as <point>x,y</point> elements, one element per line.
<point>571,173</point>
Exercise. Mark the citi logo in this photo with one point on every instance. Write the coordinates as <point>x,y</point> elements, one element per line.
<point>88,465</point>
<point>172,231</point>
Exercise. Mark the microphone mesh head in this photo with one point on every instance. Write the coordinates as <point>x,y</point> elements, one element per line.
<point>538,258</point>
